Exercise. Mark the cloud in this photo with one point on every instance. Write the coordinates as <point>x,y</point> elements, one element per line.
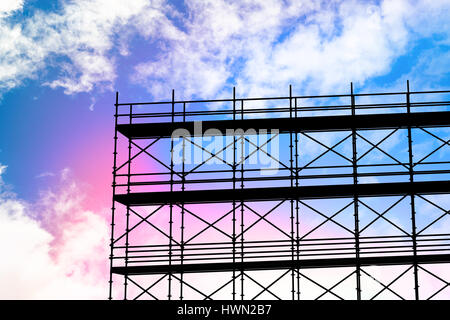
<point>219,36</point>
<point>55,248</point>
<point>318,46</point>
<point>8,7</point>
<point>45,174</point>
<point>260,46</point>
<point>78,42</point>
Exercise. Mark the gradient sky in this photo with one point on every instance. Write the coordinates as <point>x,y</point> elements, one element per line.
<point>61,63</point>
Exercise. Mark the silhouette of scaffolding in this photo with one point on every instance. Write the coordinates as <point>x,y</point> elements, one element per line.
<point>356,206</point>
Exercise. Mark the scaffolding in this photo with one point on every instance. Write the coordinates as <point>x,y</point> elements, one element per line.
<point>293,197</point>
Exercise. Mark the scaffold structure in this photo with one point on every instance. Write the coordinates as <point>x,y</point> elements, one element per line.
<point>293,197</point>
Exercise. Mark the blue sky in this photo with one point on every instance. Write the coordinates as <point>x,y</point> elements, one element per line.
<point>61,63</point>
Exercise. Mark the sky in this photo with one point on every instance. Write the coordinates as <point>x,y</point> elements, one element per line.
<point>61,63</point>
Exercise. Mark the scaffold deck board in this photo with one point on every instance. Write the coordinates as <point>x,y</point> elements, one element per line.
<point>284,264</point>
<point>278,193</point>
<point>304,124</point>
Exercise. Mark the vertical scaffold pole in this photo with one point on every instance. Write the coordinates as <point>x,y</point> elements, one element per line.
<point>356,200</point>
<point>183,180</point>
<point>413,207</point>
<point>291,163</point>
<point>297,221</point>
<point>127,228</point>
<point>242,203</point>
<point>169,296</point>
<point>234,199</point>
<point>113,208</point>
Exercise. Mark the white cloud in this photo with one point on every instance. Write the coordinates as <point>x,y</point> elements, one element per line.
<point>218,35</point>
<point>54,249</point>
<point>262,46</point>
<point>78,42</point>
<point>8,7</point>
<point>45,174</point>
